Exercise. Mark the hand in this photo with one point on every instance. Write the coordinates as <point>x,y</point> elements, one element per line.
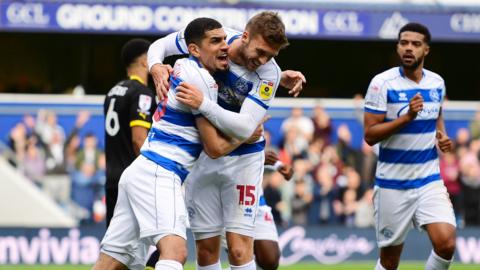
<point>257,134</point>
<point>82,118</point>
<point>189,95</point>
<point>415,106</point>
<point>287,171</point>
<point>160,74</point>
<point>270,158</point>
<point>444,142</point>
<point>294,81</point>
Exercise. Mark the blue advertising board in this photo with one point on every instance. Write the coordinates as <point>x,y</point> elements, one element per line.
<point>325,245</point>
<point>158,19</point>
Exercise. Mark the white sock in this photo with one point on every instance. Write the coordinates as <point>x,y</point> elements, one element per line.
<point>215,266</point>
<point>248,266</point>
<point>436,262</point>
<point>379,266</point>
<point>168,265</point>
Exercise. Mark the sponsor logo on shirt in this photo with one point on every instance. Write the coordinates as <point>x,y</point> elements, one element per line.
<point>144,104</point>
<point>248,212</point>
<point>402,96</point>
<point>266,90</point>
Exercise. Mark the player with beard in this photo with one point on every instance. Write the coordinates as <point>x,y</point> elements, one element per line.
<point>403,113</point>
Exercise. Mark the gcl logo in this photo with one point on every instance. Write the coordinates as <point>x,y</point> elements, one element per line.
<point>27,13</point>
<point>342,22</point>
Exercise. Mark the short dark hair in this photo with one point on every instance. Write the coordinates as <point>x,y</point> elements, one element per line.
<point>418,28</point>
<point>268,25</point>
<point>195,31</point>
<point>133,49</point>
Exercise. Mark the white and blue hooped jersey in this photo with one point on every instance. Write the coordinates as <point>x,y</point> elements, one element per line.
<point>173,141</point>
<point>407,159</point>
<point>238,83</point>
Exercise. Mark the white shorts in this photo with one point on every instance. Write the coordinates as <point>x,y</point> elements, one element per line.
<point>150,206</point>
<point>223,194</point>
<point>265,228</point>
<point>396,211</point>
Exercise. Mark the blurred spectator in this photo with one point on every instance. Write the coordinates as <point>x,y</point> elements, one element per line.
<point>294,146</point>
<point>314,151</point>
<point>475,127</point>
<point>52,136</point>
<point>17,142</point>
<point>358,104</point>
<point>450,173</point>
<point>321,210</point>
<point>34,161</point>
<point>470,176</point>
<point>297,121</point>
<point>364,212</point>
<point>300,203</point>
<point>462,138</point>
<point>345,204</point>
<point>321,124</point>
<point>349,155</point>
<point>88,173</point>
<point>368,164</point>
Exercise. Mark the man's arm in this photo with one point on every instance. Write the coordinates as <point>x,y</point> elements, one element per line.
<point>139,134</point>
<point>214,143</point>
<point>377,130</point>
<point>172,44</point>
<point>444,142</point>
<point>237,125</point>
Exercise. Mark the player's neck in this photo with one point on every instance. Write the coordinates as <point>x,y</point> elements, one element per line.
<point>138,74</point>
<point>415,75</point>
<point>234,52</point>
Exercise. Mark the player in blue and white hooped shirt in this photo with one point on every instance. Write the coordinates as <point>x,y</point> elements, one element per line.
<point>223,193</point>
<point>403,113</point>
<point>150,209</point>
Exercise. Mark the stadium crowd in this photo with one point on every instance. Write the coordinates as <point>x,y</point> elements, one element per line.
<point>332,184</point>
<point>70,169</point>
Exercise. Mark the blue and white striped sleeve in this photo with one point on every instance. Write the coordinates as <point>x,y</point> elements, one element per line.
<point>376,97</point>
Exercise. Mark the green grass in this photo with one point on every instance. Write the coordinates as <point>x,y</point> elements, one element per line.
<point>300,266</point>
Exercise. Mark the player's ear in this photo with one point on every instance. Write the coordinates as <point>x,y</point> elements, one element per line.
<point>427,49</point>
<point>245,36</point>
<point>194,50</point>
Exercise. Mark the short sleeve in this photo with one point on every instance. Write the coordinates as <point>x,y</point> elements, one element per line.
<point>264,90</point>
<point>142,108</point>
<point>192,73</point>
<point>444,92</point>
<point>376,97</point>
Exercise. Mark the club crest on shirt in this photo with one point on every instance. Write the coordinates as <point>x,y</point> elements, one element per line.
<point>266,90</point>
<point>144,104</point>
<point>434,96</point>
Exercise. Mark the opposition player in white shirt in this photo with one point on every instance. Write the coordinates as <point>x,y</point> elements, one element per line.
<point>150,209</point>
<point>403,113</point>
<point>223,193</point>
